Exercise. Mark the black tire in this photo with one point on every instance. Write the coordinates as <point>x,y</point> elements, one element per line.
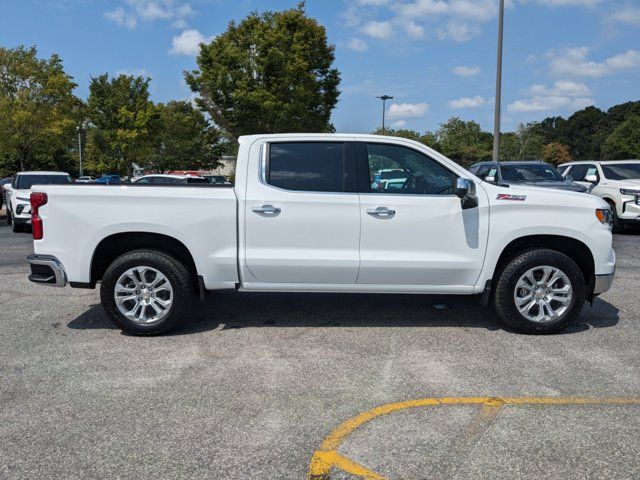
<point>9,220</point>
<point>175,271</point>
<point>17,227</point>
<point>618,227</point>
<point>504,301</point>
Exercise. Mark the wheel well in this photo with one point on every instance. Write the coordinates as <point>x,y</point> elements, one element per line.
<point>118,244</point>
<point>572,248</point>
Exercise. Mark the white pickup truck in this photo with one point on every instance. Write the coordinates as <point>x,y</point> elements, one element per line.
<point>307,214</point>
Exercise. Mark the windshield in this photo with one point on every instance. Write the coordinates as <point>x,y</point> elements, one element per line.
<point>25,182</point>
<point>530,173</point>
<point>622,171</point>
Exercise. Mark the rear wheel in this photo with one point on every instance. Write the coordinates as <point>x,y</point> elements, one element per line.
<point>540,291</point>
<point>17,227</point>
<point>146,292</point>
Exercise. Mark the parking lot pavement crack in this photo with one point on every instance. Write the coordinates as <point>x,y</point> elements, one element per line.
<point>474,433</point>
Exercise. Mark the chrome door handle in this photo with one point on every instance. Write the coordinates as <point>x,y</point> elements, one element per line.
<point>381,212</point>
<point>266,210</point>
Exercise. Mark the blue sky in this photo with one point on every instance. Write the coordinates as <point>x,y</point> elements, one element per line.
<point>436,57</point>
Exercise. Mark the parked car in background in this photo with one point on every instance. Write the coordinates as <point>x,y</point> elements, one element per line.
<point>304,216</point>
<point>84,179</point>
<point>164,179</point>
<point>616,181</point>
<point>3,182</point>
<point>538,174</point>
<point>19,191</point>
<point>109,179</point>
<point>217,179</point>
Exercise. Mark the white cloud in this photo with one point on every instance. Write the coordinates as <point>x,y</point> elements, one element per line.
<point>629,15</point>
<point>458,31</point>
<point>465,71</point>
<point>373,3</point>
<point>467,102</point>
<point>399,124</point>
<point>134,11</point>
<point>562,88</point>
<point>414,30</point>
<point>188,43</point>
<point>133,72</point>
<point>407,110</point>
<point>477,10</point>
<point>357,44</point>
<point>378,30</point>
<point>569,3</point>
<point>563,95</point>
<point>121,18</point>
<point>574,62</point>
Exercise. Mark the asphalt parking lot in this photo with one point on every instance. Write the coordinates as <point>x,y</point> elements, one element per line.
<point>283,386</point>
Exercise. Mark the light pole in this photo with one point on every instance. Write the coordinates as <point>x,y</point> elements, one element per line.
<point>384,99</point>
<point>80,129</point>
<point>496,121</point>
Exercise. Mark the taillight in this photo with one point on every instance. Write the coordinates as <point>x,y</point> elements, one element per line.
<point>37,199</point>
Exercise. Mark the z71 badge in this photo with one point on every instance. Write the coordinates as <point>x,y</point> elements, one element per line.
<point>507,196</point>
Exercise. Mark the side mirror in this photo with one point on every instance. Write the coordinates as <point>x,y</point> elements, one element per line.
<point>466,191</point>
<point>490,179</point>
<point>569,178</point>
<point>591,179</point>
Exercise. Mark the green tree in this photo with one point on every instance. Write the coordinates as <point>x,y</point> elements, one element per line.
<point>624,141</point>
<point>38,111</point>
<point>464,141</point>
<point>428,138</point>
<point>522,144</point>
<point>270,73</point>
<point>185,139</point>
<point>124,123</point>
<point>556,153</point>
<point>583,133</point>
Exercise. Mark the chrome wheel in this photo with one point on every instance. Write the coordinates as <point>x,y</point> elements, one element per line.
<point>543,294</point>
<point>143,294</point>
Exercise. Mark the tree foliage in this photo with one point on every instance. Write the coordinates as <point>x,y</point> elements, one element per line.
<point>38,111</point>
<point>185,139</point>
<point>124,122</point>
<point>270,73</point>
<point>556,153</point>
<point>624,141</point>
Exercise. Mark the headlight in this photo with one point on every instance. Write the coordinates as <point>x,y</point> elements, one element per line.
<point>605,215</point>
<point>628,191</point>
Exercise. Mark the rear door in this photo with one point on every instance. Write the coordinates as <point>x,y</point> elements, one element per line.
<point>416,233</point>
<point>302,214</point>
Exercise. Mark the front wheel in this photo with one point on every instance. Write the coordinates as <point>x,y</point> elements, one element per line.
<point>17,227</point>
<point>146,292</point>
<point>540,291</point>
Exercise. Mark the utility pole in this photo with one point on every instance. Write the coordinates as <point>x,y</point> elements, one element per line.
<point>80,129</point>
<point>496,122</point>
<point>384,99</point>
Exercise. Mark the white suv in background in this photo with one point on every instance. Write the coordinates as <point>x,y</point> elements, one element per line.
<point>19,191</point>
<point>616,181</point>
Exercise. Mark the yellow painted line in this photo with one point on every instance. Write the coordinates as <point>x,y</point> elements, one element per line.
<point>326,456</point>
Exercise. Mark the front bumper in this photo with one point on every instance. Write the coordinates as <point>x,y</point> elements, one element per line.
<point>602,283</point>
<point>47,270</point>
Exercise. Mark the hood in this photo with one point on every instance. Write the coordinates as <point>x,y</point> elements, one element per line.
<point>25,193</point>
<point>630,184</point>
<point>566,185</point>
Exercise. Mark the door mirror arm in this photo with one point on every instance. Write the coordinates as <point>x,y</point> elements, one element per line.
<point>466,191</point>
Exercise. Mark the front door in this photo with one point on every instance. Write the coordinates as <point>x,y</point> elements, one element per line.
<point>302,216</point>
<point>414,230</point>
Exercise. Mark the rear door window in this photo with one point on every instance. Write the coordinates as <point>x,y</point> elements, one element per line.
<point>308,166</point>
